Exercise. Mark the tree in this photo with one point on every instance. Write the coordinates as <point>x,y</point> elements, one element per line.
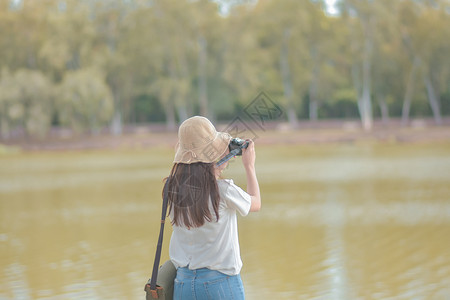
<point>177,67</point>
<point>11,110</point>
<point>109,21</point>
<point>434,48</point>
<point>191,60</point>
<point>281,36</point>
<point>71,43</point>
<point>25,102</point>
<point>84,101</point>
<point>424,29</point>
<point>249,65</point>
<point>361,17</point>
<point>388,56</point>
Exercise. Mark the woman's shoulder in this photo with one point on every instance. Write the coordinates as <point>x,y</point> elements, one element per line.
<point>225,181</point>
<point>234,197</point>
<point>225,184</point>
<point>227,187</point>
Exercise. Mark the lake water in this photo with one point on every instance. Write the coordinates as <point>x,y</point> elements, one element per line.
<point>344,221</point>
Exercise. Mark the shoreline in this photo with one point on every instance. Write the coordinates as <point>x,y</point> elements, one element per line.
<point>319,132</point>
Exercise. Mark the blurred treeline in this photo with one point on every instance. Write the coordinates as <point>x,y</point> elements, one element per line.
<point>93,64</point>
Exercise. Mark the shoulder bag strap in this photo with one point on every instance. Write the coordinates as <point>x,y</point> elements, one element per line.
<point>160,239</point>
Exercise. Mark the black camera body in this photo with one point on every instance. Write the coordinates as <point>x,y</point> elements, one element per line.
<point>235,146</point>
<point>237,143</point>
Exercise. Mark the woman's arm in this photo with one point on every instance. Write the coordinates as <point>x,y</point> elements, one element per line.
<point>248,160</point>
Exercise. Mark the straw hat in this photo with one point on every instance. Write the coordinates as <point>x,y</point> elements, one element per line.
<point>198,141</point>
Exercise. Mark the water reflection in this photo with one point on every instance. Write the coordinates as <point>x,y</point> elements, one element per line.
<point>337,223</point>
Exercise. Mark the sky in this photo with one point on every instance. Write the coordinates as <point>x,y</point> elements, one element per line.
<point>331,8</point>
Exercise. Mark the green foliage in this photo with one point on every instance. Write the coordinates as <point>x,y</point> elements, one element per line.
<point>343,104</point>
<point>445,103</point>
<point>25,101</point>
<point>164,60</point>
<point>344,95</point>
<point>341,109</point>
<point>147,109</point>
<point>84,100</point>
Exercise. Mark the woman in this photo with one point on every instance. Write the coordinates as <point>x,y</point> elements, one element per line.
<point>204,246</point>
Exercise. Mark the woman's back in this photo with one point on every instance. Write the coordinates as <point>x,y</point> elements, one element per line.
<point>214,245</point>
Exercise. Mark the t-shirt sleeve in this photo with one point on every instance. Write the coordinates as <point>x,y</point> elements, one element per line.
<point>236,198</point>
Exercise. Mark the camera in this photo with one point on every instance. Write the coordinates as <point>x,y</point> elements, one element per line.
<point>237,143</point>
<point>235,146</point>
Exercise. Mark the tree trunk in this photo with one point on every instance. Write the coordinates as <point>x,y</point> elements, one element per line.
<point>357,83</point>
<point>170,116</point>
<point>26,117</point>
<point>95,130</point>
<point>178,94</point>
<point>202,77</point>
<point>186,108</point>
<point>116,124</point>
<point>409,91</point>
<point>4,125</point>
<point>384,109</point>
<point>433,99</point>
<point>287,80</point>
<point>313,109</point>
<point>182,113</point>
<point>313,104</point>
<point>356,77</point>
<point>365,104</point>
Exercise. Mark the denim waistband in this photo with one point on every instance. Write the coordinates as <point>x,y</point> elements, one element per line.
<point>203,273</point>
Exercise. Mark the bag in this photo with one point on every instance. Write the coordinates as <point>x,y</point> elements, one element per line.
<point>164,283</point>
<point>161,287</point>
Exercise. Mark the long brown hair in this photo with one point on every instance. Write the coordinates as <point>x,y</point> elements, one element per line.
<point>190,189</point>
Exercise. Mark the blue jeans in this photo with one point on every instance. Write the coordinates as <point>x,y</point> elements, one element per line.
<point>202,284</point>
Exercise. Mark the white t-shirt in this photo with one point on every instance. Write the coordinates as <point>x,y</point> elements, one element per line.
<point>214,245</point>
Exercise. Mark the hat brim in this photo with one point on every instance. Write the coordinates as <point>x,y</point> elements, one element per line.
<point>210,153</point>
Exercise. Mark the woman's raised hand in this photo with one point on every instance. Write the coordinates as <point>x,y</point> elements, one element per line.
<point>249,154</point>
